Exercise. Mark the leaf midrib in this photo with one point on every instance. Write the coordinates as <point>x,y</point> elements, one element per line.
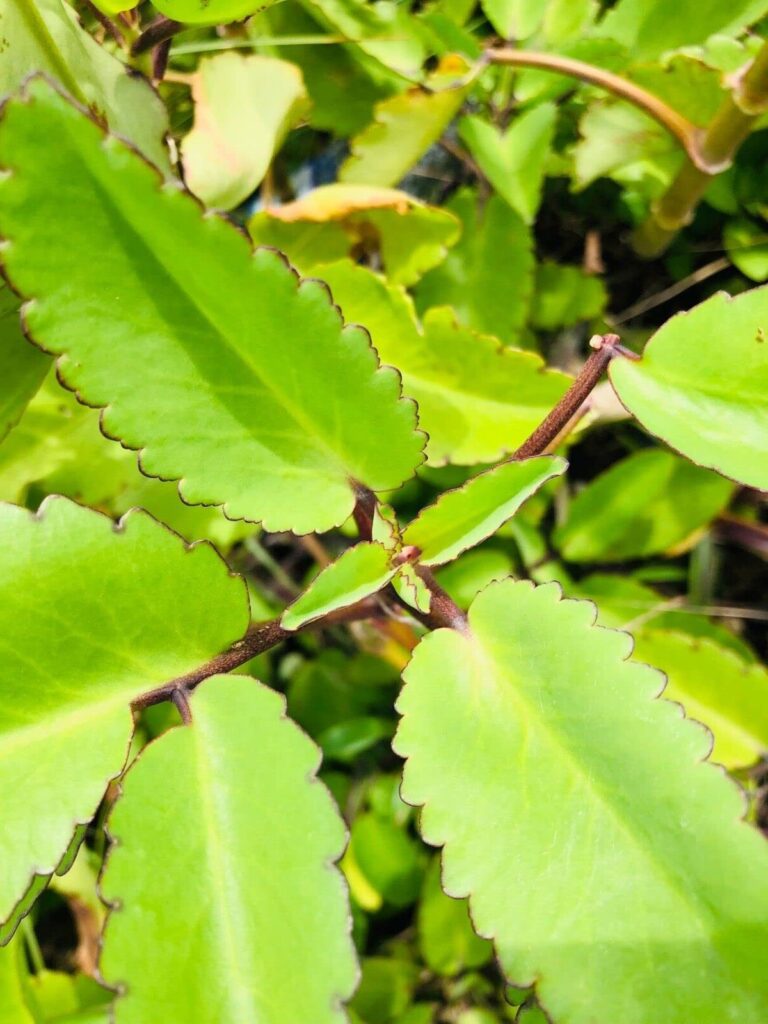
<point>308,428</point>
<point>560,742</point>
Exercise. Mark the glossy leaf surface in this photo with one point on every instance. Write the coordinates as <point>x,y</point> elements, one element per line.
<point>238,401</point>
<point>650,502</point>
<point>244,106</point>
<point>702,385</point>
<point>465,517</point>
<point>476,399</point>
<point>91,617</point>
<point>549,717</point>
<point>262,937</point>
<point>715,686</point>
<point>361,571</point>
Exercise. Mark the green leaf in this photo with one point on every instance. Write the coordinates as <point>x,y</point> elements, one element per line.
<point>343,82</point>
<point>473,572</point>
<point>263,933</point>
<point>13,1006</point>
<point>623,602</point>
<point>486,293</point>
<point>447,940</point>
<point>702,385</point>
<point>514,160</point>
<point>650,502</point>
<point>390,860</point>
<point>622,142</point>
<point>360,572</point>
<point>686,84</point>
<point>467,516</point>
<point>386,989</point>
<point>403,129</point>
<point>337,220</point>
<point>515,19</point>
<point>477,400</point>
<point>564,296</point>
<point>652,27</point>
<point>715,686</point>
<point>91,617</point>
<point>22,366</point>
<point>45,35</point>
<point>237,403</point>
<point>244,108</point>
<point>574,779</point>
<point>747,246</point>
<point>385,31</point>
<point>209,12</point>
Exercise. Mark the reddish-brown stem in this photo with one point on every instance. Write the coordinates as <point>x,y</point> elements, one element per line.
<point>365,508</point>
<point>156,32</point>
<point>160,56</point>
<point>106,23</point>
<point>260,638</point>
<point>605,347</point>
<point>677,125</point>
<point>443,610</point>
<point>744,532</point>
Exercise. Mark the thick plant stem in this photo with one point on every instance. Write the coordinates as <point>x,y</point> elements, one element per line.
<point>717,147</point>
<point>162,28</point>
<point>605,347</point>
<point>260,638</point>
<point>680,127</point>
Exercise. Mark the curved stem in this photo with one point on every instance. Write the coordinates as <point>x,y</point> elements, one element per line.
<point>158,31</point>
<point>718,145</point>
<point>680,127</point>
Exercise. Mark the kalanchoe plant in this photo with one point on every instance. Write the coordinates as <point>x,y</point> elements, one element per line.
<point>316,377</point>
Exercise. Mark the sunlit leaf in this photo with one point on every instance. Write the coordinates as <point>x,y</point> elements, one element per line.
<point>403,128</point>
<point>91,617</point>
<point>715,686</point>
<point>650,502</point>
<point>513,161</point>
<point>573,779</point>
<point>237,402</point>
<point>702,385</point>
<point>333,221</point>
<point>465,517</point>
<point>652,27</point>
<point>361,571</point>
<point>244,107</point>
<point>477,400</point>
<point>45,35</point>
<point>209,12</point>
<point>263,933</point>
<point>485,292</point>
